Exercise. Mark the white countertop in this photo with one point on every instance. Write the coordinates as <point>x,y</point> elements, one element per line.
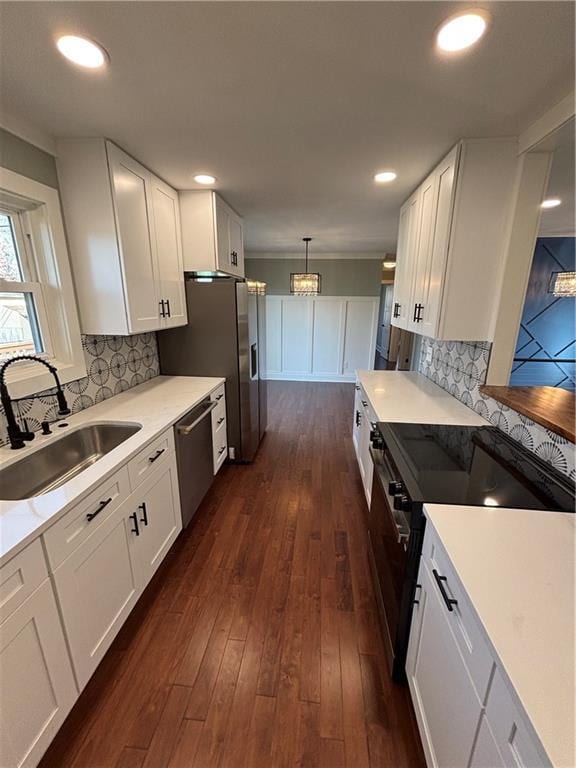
<point>409,396</point>
<point>155,405</point>
<point>518,568</point>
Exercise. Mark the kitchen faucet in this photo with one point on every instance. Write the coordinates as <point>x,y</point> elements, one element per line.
<point>16,435</point>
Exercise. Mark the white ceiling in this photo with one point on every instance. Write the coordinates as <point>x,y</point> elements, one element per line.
<point>293,106</point>
<point>555,222</point>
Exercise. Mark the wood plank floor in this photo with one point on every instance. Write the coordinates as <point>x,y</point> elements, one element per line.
<point>256,645</point>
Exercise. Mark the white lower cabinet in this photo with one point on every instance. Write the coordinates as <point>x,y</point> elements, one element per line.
<point>364,419</point>
<point>154,513</point>
<point>219,431</point>
<point>97,588</point>
<point>468,714</point>
<point>447,706</point>
<point>37,688</point>
<point>100,582</point>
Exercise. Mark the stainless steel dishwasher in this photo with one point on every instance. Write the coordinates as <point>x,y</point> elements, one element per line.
<point>195,458</point>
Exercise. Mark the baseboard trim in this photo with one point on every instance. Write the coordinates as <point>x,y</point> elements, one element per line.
<point>319,377</point>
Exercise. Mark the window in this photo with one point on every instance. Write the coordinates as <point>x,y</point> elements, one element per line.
<point>21,299</point>
<point>38,312</point>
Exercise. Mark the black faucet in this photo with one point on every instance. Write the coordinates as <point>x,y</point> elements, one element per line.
<point>16,435</point>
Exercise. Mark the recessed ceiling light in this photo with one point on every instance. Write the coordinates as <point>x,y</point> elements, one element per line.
<point>551,202</point>
<point>461,31</point>
<point>204,178</point>
<point>384,177</point>
<point>389,264</point>
<point>82,51</point>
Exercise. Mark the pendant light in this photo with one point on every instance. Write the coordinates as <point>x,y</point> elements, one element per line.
<point>305,283</point>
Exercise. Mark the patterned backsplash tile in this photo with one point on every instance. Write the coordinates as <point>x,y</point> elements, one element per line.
<point>113,363</point>
<point>460,367</point>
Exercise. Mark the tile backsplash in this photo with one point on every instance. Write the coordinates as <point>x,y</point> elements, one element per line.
<point>113,363</point>
<point>460,367</point>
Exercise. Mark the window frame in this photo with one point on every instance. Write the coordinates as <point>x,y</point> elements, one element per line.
<point>45,258</point>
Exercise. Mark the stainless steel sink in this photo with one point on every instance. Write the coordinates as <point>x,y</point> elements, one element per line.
<point>59,461</point>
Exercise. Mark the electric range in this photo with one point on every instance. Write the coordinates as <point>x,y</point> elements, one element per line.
<point>415,464</point>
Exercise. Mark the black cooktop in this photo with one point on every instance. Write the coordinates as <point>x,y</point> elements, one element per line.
<point>478,466</point>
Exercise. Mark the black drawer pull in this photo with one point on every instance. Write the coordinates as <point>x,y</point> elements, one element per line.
<point>144,518</point>
<point>92,515</point>
<point>220,420</point>
<point>135,530</point>
<point>157,455</point>
<point>219,397</point>
<point>221,451</point>
<point>450,602</point>
<point>168,307</point>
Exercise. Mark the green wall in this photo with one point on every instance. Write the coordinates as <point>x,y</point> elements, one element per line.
<point>21,157</point>
<point>340,277</point>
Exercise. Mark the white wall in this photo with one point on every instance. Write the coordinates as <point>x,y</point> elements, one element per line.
<point>319,338</point>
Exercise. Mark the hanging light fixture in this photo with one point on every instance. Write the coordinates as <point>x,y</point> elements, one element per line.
<point>563,284</point>
<point>305,283</point>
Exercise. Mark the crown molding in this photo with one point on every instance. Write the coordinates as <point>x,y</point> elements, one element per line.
<point>320,256</point>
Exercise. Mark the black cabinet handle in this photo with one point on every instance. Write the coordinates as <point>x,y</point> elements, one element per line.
<point>168,307</point>
<point>135,530</point>
<point>144,518</point>
<point>162,310</point>
<point>418,315</point>
<point>450,602</point>
<point>220,420</point>
<point>357,388</point>
<point>221,451</point>
<point>219,397</point>
<point>92,515</point>
<point>364,403</point>
<point>397,309</point>
<point>157,455</point>
<point>415,317</point>
<point>358,418</point>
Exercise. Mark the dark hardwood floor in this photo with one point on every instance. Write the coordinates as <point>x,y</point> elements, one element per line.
<point>256,645</point>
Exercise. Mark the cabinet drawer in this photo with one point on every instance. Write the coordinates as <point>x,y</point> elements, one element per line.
<point>20,577</point>
<point>467,633</point>
<point>516,741</point>
<point>87,516</point>
<point>150,458</point>
<point>219,394</point>
<point>218,415</point>
<point>220,445</point>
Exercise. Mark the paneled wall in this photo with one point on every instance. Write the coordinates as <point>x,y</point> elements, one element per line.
<point>319,338</point>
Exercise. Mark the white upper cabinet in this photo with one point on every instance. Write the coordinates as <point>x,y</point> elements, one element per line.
<point>452,242</point>
<point>124,232</point>
<point>212,234</point>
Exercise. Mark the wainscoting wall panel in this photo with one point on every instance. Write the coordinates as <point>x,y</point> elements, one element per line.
<point>319,338</point>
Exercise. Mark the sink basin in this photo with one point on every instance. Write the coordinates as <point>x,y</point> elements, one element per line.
<point>61,460</point>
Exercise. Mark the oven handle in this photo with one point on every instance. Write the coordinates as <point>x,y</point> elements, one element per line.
<point>402,529</point>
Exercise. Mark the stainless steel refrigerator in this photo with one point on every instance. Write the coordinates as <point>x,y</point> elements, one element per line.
<point>225,336</point>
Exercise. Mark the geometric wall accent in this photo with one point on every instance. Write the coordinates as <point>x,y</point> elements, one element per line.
<point>460,368</point>
<point>113,363</point>
<point>546,345</point>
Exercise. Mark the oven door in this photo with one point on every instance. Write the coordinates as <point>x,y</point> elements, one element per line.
<point>393,558</point>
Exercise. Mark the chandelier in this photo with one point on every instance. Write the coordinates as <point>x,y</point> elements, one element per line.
<point>305,283</point>
<point>563,284</point>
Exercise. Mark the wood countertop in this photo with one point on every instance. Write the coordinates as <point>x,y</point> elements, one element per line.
<point>551,407</point>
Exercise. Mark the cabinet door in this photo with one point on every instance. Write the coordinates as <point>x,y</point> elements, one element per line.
<point>97,588</point>
<point>156,504</point>
<point>236,235</point>
<point>486,753</point>
<point>131,187</point>
<point>367,468</point>
<point>168,247</point>
<point>446,704</point>
<point>357,420</point>
<point>423,252</point>
<point>433,277</point>
<point>405,257</point>
<point>222,220</point>
<point>38,687</point>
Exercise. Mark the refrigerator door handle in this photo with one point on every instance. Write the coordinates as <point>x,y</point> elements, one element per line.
<point>254,361</point>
